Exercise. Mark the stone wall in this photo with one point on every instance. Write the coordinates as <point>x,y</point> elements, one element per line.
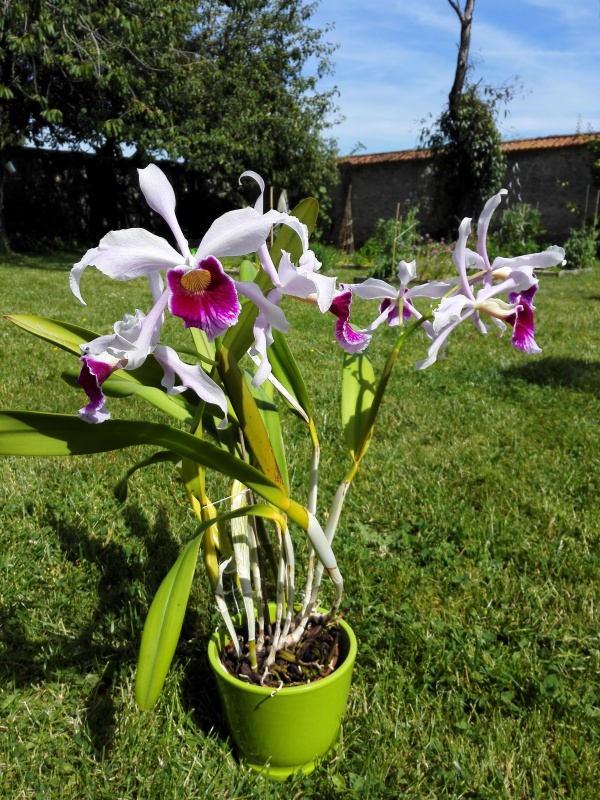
<point>553,172</point>
<point>78,197</point>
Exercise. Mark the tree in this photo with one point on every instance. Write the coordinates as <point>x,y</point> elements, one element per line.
<point>469,163</point>
<point>220,84</point>
<point>260,107</point>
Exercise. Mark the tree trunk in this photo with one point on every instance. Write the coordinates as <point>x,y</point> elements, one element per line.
<point>4,240</point>
<point>462,61</point>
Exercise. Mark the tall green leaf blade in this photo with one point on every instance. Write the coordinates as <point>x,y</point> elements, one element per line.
<point>118,386</point>
<point>55,331</point>
<point>285,369</point>
<point>28,433</point>
<point>358,391</point>
<point>248,271</point>
<point>249,417</point>
<point>163,627</point>
<point>270,416</point>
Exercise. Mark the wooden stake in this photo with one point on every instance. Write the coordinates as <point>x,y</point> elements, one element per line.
<point>395,234</point>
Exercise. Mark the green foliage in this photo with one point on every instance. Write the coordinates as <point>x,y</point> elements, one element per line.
<point>581,248</point>
<point>469,163</point>
<point>520,232</point>
<point>224,86</point>
<point>433,257</point>
<point>259,105</point>
<point>379,249</point>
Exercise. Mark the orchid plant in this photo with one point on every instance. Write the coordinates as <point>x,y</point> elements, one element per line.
<point>226,420</point>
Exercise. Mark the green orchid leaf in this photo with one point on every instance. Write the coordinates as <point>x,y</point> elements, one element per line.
<point>248,271</point>
<point>27,433</point>
<point>55,331</point>
<point>263,395</point>
<point>120,490</point>
<point>285,369</point>
<point>165,617</point>
<point>358,391</point>
<point>163,627</point>
<point>249,417</point>
<point>202,345</point>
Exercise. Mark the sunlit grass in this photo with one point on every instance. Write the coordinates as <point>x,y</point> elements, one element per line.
<point>469,547</point>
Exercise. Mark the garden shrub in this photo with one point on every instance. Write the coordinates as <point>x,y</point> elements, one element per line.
<point>520,232</point>
<point>581,248</point>
<point>378,250</point>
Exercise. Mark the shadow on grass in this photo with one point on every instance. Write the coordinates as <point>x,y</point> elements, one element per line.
<point>107,642</point>
<point>571,373</point>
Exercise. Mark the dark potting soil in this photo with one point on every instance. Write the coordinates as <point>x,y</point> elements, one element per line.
<point>313,658</point>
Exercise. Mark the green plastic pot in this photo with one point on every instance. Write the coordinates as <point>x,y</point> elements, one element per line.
<point>290,730</point>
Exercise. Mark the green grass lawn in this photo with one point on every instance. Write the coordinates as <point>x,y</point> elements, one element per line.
<point>469,547</point>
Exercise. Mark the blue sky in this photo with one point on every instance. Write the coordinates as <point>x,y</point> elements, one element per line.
<point>396,59</point>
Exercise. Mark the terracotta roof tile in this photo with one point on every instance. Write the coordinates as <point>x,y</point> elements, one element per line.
<point>540,143</point>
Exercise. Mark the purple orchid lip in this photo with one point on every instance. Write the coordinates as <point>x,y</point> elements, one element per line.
<point>204,297</point>
<point>352,341</point>
<point>522,320</point>
<point>92,376</point>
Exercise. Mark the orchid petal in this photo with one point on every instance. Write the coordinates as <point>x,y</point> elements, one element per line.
<point>244,231</point>
<point>551,257</point>
<point>450,311</point>
<point>304,282</point>
<point>474,260</point>
<point>434,289</point>
<point>434,348</point>
<point>523,337</point>
<point>484,223</point>
<point>407,272</point>
<point>160,197</point>
<point>518,281</point>
<point>192,377</point>
<point>157,285</point>
<point>124,255</point>
<point>279,218</point>
<point>372,289</point>
<point>255,176</point>
<point>273,314</point>
<point>497,308</point>
<point>351,340</point>
<point>263,339</point>
<point>459,255</point>
<point>93,374</point>
<point>267,264</point>
<point>235,233</point>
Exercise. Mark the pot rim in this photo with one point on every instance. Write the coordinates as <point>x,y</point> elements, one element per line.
<point>266,691</point>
